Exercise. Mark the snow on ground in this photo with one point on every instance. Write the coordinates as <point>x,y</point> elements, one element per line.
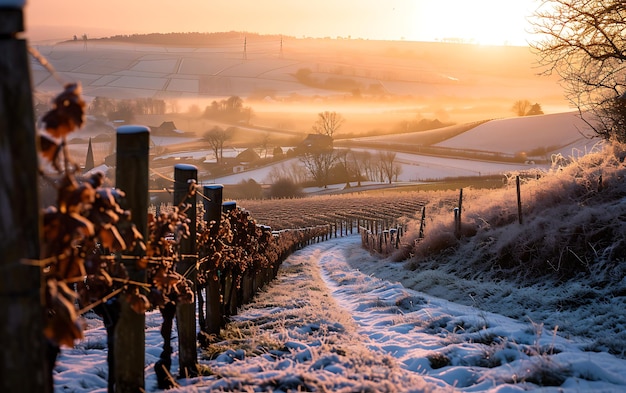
<point>556,133</point>
<point>325,326</point>
<point>119,70</point>
<point>415,168</point>
<point>525,134</point>
<point>421,168</point>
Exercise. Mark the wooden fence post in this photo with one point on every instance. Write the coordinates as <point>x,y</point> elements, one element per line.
<point>519,199</point>
<point>213,204</point>
<point>459,222</point>
<point>131,176</point>
<point>23,365</point>
<point>229,206</point>
<point>422,223</point>
<point>213,212</point>
<point>185,177</point>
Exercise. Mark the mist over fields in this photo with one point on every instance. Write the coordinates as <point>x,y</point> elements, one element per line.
<point>378,87</point>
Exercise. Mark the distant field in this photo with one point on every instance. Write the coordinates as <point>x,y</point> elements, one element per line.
<point>371,82</point>
<point>377,87</point>
<point>534,137</point>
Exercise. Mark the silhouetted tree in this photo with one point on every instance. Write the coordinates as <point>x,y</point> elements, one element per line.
<point>319,165</point>
<point>343,158</point>
<point>292,171</point>
<point>230,109</point>
<point>216,137</point>
<point>328,123</point>
<point>101,106</point>
<point>264,143</point>
<point>358,162</point>
<point>534,110</point>
<point>521,107</point>
<point>390,169</point>
<point>583,42</point>
<point>124,110</point>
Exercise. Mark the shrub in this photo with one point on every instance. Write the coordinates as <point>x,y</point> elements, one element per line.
<point>285,188</point>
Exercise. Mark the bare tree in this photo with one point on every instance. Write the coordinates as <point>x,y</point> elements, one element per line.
<point>216,137</point>
<point>319,164</point>
<point>294,172</point>
<point>328,123</point>
<point>389,167</point>
<point>101,106</point>
<point>343,158</point>
<point>358,164</point>
<point>174,106</point>
<point>521,107</point>
<point>583,42</point>
<point>264,143</point>
<point>233,104</point>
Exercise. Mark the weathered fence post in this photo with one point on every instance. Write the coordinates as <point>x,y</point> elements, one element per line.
<point>23,364</point>
<point>422,223</point>
<point>459,223</point>
<point>213,212</point>
<point>229,206</point>
<point>519,199</point>
<point>131,176</point>
<point>185,177</point>
<point>213,204</point>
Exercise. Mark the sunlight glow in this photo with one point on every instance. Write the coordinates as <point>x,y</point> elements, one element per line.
<point>493,22</point>
<point>486,22</point>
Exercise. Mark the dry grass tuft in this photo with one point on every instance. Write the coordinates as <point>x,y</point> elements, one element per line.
<point>574,223</point>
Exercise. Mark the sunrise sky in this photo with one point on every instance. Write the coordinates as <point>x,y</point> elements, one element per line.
<point>481,21</point>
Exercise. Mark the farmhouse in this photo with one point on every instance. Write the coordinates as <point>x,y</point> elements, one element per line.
<point>167,128</point>
<point>315,143</point>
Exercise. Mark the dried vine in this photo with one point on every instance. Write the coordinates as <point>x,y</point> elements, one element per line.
<point>86,232</point>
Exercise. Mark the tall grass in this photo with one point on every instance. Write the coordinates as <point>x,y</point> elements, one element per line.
<point>574,223</point>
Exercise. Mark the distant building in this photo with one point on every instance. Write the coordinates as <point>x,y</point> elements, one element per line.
<point>248,156</point>
<point>167,128</point>
<point>315,143</point>
<point>244,160</point>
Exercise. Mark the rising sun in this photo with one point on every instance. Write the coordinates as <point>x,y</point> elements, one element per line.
<point>485,22</point>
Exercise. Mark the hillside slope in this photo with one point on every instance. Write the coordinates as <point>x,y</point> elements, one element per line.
<point>533,136</point>
<point>554,133</point>
<point>569,248</point>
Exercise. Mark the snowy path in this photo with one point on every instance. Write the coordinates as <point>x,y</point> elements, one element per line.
<point>467,348</point>
<point>324,326</point>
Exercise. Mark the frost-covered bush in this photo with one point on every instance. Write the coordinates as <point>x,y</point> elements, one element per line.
<point>574,222</point>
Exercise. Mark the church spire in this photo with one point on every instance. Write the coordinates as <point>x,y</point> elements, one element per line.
<point>89,162</point>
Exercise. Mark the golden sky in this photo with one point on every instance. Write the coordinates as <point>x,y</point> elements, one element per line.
<point>481,21</point>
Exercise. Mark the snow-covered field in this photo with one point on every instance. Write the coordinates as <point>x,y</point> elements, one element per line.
<point>325,326</point>
<point>562,133</point>
<point>199,74</point>
<point>559,132</point>
<point>415,168</point>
